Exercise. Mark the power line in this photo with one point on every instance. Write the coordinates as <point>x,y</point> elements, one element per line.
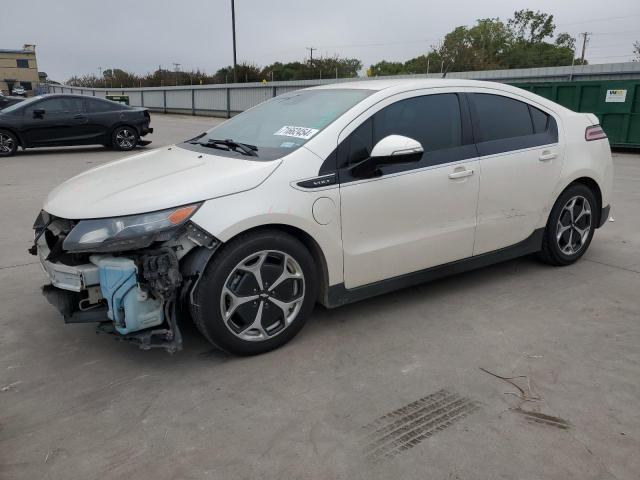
<point>598,20</point>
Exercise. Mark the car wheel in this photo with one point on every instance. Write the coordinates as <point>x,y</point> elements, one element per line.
<point>570,227</point>
<point>256,293</point>
<point>124,138</point>
<point>8,143</point>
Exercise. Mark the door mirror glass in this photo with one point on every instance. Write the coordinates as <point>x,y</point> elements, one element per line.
<point>391,150</point>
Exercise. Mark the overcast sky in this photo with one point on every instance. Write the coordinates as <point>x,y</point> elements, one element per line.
<point>78,36</point>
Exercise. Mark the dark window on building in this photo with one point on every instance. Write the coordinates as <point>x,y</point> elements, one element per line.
<point>26,85</point>
<point>22,63</point>
<point>432,120</point>
<point>500,117</point>
<point>540,120</point>
<point>99,106</point>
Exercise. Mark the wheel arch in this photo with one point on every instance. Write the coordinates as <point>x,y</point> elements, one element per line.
<point>15,133</point>
<point>305,238</point>
<point>592,185</point>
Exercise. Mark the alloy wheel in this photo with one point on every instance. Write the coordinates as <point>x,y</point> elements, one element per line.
<point>262,295</point>
<point>574,225</point>
<point>126,138</point>
<point>6,143</point>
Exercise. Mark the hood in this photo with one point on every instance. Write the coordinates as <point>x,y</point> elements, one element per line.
<point>154,180</point>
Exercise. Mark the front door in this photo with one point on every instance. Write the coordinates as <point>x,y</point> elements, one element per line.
<point>412,216</point>
<point>63,121</point>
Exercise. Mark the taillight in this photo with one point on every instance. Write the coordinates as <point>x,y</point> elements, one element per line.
<point>594,132</point>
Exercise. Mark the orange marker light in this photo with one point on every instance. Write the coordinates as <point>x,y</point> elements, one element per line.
<point>180,215</point>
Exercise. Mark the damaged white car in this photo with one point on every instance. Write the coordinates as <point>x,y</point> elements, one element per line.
<point>326,195</point>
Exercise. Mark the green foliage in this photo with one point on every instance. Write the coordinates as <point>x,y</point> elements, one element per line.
<point>521,42</point>
<point>330,67</point>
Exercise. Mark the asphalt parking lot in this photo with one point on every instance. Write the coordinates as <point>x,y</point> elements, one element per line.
<point>387,388</point>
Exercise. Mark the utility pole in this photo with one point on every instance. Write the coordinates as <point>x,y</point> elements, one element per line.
<point>585,36</point>
<point>233,28</point>
<point>311,49</point>
<point>176,68</point>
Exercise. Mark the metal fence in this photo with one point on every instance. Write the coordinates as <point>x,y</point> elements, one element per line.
<point>229,99</point>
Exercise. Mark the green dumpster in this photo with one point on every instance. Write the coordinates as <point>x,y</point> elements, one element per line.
<point>118,98</point>
<point>615,102</point>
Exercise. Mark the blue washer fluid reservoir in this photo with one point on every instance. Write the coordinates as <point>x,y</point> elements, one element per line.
<point>130,307</point>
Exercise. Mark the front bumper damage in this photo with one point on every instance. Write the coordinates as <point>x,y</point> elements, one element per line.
<point>136,296</point>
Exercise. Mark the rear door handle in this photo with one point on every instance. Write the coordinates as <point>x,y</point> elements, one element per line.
<point>461,174</point>
<point>547,155</point>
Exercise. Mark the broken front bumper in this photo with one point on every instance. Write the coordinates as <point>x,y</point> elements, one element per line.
<point>74,278</point>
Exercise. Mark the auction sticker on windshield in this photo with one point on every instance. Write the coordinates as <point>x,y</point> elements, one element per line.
<point>297,132</point>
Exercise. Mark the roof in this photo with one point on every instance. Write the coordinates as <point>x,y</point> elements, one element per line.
<point>383,84</point>
<point>19,51</point>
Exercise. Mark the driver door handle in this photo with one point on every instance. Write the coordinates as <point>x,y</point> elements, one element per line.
<point>461,174</point>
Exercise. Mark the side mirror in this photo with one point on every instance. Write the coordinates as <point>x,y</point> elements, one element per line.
<point>391,150</point>
<point>38,113</point>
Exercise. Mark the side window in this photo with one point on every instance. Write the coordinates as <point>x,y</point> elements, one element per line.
<point>99,106</point>
<point>540,120</point>
<point>433,120</point>
<point>57,105</point>
<point>360,143</point>
<point>501,117</point>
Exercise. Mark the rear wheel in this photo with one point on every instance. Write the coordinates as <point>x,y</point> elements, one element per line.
<point>570,226</point>
<point>124,138</point>
<point>256,294</point>
<point>8,143</point>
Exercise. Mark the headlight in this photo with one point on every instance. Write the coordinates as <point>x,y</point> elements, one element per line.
<point>126,233</point>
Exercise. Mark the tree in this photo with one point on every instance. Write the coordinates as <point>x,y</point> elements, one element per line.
<point>636,51</point>
<point>531,27</point>
<point>386,68</point>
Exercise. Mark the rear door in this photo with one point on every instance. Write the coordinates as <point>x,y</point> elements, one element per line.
<point>102,116</point>
<point>63,121</point>
<point>520,163</point>
<point>416,215</point>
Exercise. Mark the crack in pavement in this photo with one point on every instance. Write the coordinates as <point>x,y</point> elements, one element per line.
<point>18,265</point>
<point>612,266</point>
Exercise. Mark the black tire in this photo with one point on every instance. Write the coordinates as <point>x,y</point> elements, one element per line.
<point>124,138</point>
<point>552,251</point>
<point>209,301</point>
<point>8,143</point>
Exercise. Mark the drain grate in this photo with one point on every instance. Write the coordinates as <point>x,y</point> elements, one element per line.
<point>407,426</point>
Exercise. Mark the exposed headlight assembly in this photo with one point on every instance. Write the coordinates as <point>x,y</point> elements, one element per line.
<point>126,233</point>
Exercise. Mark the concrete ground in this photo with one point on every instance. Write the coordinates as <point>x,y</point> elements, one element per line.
<point>387,388</point>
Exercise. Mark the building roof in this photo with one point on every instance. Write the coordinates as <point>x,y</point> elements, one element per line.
<point>20,51</point>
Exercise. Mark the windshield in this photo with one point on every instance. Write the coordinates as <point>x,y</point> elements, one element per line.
<point>18,105</point>
<point>285,123</point>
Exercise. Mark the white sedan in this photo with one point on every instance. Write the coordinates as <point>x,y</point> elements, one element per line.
<point>325,195</point>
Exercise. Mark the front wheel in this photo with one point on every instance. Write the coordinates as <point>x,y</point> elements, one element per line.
<point>124,138</point>
<point>8,143</point>
<point>570,227</point>
<point>256,294</point>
